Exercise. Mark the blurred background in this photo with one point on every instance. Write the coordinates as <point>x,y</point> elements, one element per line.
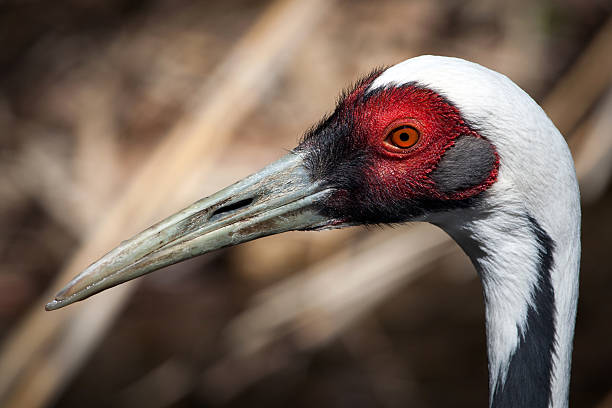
<point>114,114</point>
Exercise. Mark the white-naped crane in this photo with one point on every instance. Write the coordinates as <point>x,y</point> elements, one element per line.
<point>433,139</point>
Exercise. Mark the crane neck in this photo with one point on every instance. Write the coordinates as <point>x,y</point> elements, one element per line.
<point>530,283</point>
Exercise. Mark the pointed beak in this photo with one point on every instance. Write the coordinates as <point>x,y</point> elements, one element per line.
<point>279,198</point>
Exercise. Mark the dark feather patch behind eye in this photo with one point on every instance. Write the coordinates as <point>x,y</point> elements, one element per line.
<point>466,164</point>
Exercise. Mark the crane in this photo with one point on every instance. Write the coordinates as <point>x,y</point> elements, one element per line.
<point>434,139</point>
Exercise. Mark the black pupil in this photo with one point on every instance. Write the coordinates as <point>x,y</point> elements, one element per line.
<point>404,137</point>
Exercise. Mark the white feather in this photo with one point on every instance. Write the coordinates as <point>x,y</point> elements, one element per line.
<point>537,177</point>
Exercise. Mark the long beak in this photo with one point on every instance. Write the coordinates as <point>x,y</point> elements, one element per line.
<point>281,197</point>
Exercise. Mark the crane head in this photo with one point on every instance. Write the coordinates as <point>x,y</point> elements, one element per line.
<point>395,149</point>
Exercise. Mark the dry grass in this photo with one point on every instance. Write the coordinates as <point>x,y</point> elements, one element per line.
<point>112,117</point>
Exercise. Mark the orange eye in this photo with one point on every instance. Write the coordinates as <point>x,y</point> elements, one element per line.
<point>403,137</point>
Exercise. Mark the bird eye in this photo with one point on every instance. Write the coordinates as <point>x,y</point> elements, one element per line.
<point>403,137</point>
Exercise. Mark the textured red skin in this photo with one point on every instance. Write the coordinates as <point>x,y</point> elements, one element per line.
<point>404,173</point>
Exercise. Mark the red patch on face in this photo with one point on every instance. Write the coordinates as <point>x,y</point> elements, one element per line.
<point>404,173</point>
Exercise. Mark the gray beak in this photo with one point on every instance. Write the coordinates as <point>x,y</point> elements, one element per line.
<point>279,198</point>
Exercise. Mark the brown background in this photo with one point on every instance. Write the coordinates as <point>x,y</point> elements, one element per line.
<point>90,90</point>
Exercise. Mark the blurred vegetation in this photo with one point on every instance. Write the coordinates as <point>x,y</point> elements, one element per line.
<point>89,89</point>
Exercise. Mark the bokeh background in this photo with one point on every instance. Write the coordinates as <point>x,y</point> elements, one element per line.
<point>114,114</point>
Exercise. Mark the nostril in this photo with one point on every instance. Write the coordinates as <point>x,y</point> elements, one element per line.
<point>224,210</point>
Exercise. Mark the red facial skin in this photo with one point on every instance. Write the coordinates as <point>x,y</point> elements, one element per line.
<point>404,173</point>
<point>374,181</point>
